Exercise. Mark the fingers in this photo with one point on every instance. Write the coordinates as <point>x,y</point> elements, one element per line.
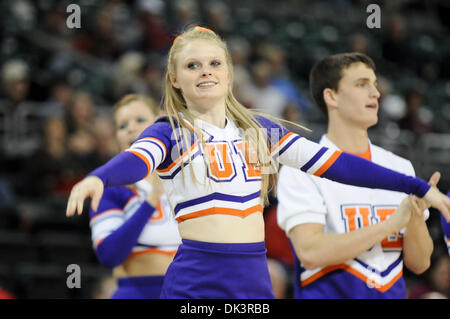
<point>416,206</point>
<point>80,206</point>
<point>90,187</point>
<point>75,202</point>
<point>70,210</point>
<point>71,202</point>
<point>434,179</point>
<point>96,201</point>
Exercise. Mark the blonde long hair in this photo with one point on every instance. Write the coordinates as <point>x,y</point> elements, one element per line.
<point>254,137</point>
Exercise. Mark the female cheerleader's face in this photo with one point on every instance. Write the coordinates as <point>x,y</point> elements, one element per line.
<point>131,119</point>
<point>357,96</point>
<point>201,73</point>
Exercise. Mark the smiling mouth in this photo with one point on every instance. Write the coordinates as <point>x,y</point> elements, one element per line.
<point>206,84</point>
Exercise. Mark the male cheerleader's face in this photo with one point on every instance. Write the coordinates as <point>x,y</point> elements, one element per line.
<point>131,119</point>
<point>201,73</point>
<point>357,96</point>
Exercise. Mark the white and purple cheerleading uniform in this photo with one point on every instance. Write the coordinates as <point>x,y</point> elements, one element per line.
<point>375,274</point>
<point>125,226</point>
<point>228,184</point>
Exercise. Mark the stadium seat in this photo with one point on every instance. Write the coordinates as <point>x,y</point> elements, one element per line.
<point>16,247</point>
<point>64,247</point>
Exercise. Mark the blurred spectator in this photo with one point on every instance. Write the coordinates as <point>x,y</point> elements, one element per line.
<point>60,96</point>
<point>395,46</point>
<point>105,42</point>
<point>47,164</point>
<point>152,75</point>
<point>81,113</point>
<point>138,73</point>
<point>392,105</point>
<point>185,13</point>
<point>54,21</point>
<point>15,81</point>
<point>128,33</point>
<point>292,114</point>
<point>80,122</point>
<point>281,78</point>
<point>129,66</point>
<point>262,94</point>
<point>240,51</point>
<point>218,18</point>
<point>157,35</point>
<point>358,43</point>
<point>418,118</point>
<point>24,14</point>
<point>106,145</point>
<point>50,164</point>
<point>19,118</point>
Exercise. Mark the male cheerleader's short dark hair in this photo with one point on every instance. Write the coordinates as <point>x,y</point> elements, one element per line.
<point>328,72</point>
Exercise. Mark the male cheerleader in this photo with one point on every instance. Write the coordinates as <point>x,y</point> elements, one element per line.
<point>351,242</point>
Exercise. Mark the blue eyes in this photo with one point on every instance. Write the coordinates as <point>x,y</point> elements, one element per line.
<point>193,65</point>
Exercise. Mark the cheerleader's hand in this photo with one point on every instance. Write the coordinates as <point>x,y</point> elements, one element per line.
<point>90,187</point>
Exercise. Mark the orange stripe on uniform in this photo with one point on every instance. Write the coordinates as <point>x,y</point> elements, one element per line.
<point>221,210</point>
<point>321,273</point>
<point>164,170</point>
<point>352,271</point>
<point>281,141</point>
<point>189,125</point>
<point>383,288</point>
<point>328,163</point>
<point>98,242</point>
<point>153,251</point>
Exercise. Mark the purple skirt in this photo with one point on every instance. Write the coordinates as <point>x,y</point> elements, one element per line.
<point>144,287</point>
<point>202,270</point>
